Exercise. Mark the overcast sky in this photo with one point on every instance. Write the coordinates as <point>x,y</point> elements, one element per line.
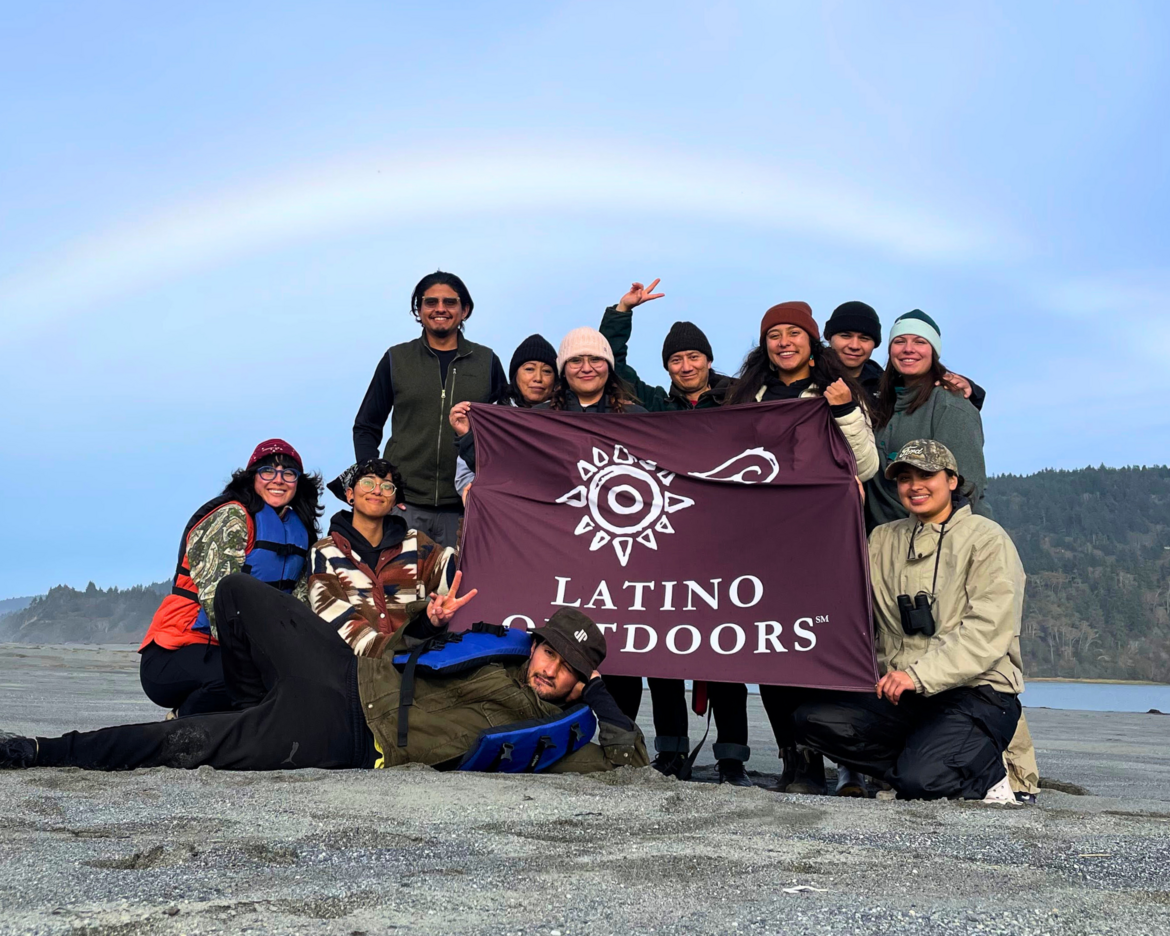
<point>212,216</point>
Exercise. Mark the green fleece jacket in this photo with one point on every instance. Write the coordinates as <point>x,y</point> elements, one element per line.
<point>948,418</point>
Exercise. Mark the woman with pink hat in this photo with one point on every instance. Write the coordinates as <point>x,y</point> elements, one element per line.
<point>586,383</point>
<point>262,523</point>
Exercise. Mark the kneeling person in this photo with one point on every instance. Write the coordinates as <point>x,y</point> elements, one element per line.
<point>305,700</point>
<point>948,593</point>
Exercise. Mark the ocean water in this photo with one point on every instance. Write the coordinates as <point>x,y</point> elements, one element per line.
<point>1096,697</point>
<point>1088,697</point>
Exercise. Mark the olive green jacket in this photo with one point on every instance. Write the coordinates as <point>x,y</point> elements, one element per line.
<point>978,607</point>
<point>449,713</point>
<point>948,418</point>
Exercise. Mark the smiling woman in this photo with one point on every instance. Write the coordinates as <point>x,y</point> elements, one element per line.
<point>261,524</point>
<point>917,401</point>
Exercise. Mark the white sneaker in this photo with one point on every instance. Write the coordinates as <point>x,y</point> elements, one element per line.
<point>1001,794</point>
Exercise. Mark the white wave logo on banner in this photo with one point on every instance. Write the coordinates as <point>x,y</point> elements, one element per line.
<point>628,501</point>
<point>757,461</point>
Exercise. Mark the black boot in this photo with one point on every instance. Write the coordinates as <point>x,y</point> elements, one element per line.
<point>732,772</point>
<point>810,774</point>
<point>16,752</point>
<point>672,754</point>
<point>851,783</point>
<point>790,757</point>
<point>730,758</point>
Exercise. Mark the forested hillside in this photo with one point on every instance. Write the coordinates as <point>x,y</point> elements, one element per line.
<point>1095,543</point>
<point>66,615</point>
<point>1096,547</point>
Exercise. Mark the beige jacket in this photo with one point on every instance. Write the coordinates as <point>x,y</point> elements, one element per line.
<point>979,602</point>
<point>858,432</point>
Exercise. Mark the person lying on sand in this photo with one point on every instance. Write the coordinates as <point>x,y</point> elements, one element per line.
<point>303,699</point>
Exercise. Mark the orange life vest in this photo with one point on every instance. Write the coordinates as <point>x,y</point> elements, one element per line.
<point>172,624</point>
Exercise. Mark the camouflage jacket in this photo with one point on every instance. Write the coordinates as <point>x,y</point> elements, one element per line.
<point>217,547</point>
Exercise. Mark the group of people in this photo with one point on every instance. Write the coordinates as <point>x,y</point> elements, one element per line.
<point>273,638</point>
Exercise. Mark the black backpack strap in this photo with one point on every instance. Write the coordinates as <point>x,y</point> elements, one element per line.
<point>542,745</point>
<point>406,692</point>
<point>483,627</point>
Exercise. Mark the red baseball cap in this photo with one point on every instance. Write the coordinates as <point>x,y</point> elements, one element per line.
<point>275,447</point>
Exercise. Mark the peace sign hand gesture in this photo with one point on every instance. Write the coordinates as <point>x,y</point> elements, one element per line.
<point>637,295</point>
<point>441,608</point>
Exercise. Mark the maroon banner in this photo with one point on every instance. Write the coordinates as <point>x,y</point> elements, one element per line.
<point>722,544</point>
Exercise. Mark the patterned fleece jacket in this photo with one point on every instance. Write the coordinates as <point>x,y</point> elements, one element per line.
<point>369,592</point>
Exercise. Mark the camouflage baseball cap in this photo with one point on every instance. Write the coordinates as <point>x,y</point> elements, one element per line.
<point>924,454</point>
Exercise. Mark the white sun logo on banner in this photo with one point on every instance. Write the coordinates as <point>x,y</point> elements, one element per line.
<point>627,501</point>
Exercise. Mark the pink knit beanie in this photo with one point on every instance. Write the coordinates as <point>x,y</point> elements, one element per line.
<point>581,342</point>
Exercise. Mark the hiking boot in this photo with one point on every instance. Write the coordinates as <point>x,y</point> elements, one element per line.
<point>668,763</point>
<point>16,752</point>
<point>790,757</point>
<point>851,783</point>
<point>1026,799</point>
<point>810,774</point>
<point>731,771</point>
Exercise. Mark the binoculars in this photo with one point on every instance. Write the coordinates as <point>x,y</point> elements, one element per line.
<point>917,618</point>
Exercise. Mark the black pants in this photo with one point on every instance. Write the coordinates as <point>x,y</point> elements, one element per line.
<point>189,679</point>
<point>672,721</point>
<point>441,525</point>
<point>291,677</point>
<point>948,745</point>
<point>779,703</point>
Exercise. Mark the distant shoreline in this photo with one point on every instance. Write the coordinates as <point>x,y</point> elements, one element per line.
<point>1109,682</point>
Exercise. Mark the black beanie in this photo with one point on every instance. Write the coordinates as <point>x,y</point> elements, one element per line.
<point>855,316</point>
<point>685,336</point>
<point>532,348</point>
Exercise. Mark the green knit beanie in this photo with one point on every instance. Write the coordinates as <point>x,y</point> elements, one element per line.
<point>917,322</point>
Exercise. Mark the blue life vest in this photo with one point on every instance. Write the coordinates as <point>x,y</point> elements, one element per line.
<point>280,548</point>
<point>521,747</point>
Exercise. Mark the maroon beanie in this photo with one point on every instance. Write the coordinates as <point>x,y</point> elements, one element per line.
<point>791,313</point>
<point>275,447</point>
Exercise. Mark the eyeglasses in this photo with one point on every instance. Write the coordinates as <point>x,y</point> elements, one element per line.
<point>578,362</point>
<point>432,302</point>
<point>369,484</point>
<point>269,473</point>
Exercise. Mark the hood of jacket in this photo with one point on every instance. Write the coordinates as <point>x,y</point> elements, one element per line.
<point>393,533</point>
<point>870,377</point>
